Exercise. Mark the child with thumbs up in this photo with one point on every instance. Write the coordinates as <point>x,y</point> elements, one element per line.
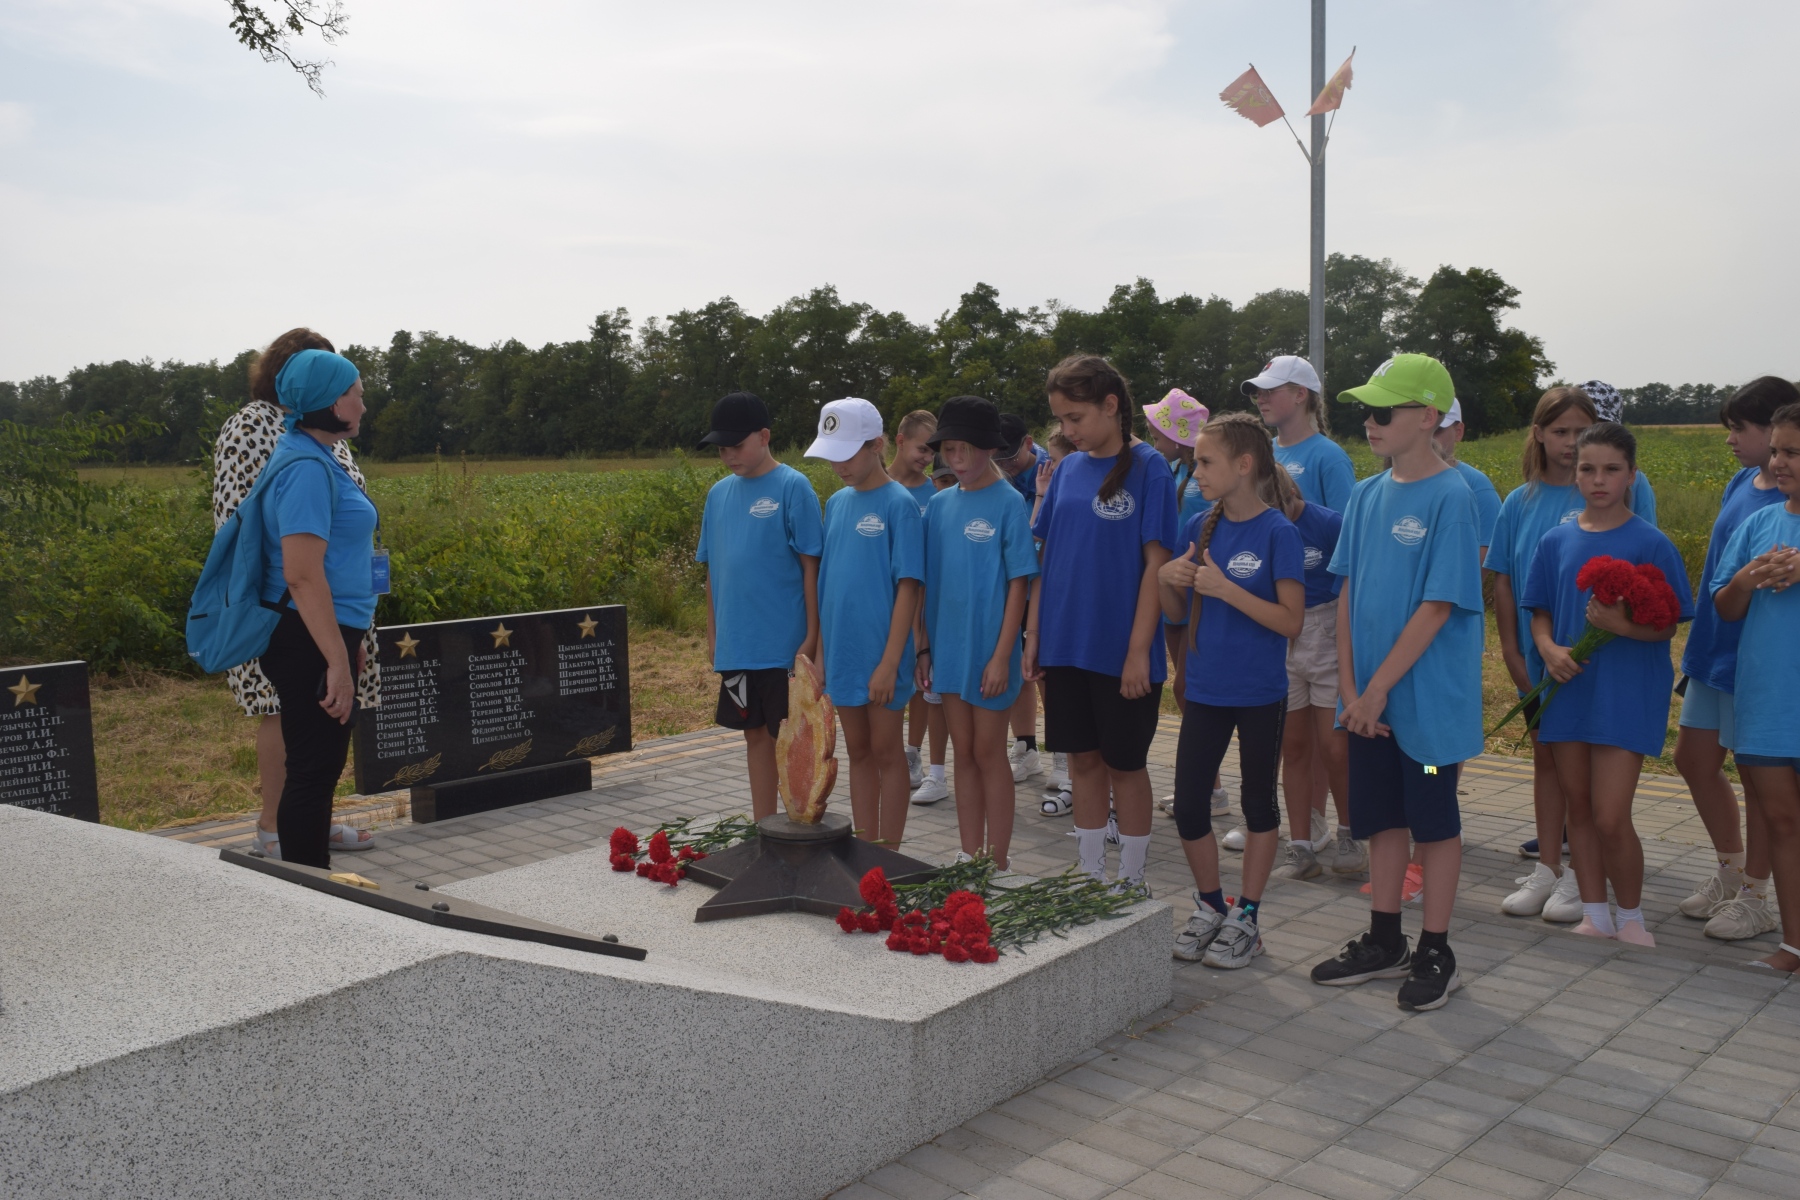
<point>1238,589</point>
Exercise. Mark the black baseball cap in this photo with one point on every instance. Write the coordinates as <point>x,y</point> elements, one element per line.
<point>968,419</point>
<point>734,418</point>
<point>1012,432</point>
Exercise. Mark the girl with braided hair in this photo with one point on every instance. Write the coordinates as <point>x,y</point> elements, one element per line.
<point>1239,589</point>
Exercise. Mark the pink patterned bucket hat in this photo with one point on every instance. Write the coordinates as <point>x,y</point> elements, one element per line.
<point>1179,416</point>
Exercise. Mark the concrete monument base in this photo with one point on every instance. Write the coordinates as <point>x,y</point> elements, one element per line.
<point>176,1026</point>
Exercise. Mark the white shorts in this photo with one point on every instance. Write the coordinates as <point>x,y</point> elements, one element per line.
<point>1312,663</point>
<point>932,697</point>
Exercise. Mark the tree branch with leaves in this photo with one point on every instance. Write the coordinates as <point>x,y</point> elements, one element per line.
<point>271,37</point>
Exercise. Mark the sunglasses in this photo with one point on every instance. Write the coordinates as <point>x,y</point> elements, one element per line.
<point>1384,415</point>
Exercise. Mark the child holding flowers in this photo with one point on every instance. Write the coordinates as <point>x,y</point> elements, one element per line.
<point>1605,593</point>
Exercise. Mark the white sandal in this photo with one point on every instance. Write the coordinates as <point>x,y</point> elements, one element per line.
<point>268,844</point>
<point>1783,946</point>
<point>1059,805</point>
<point>349,837</point>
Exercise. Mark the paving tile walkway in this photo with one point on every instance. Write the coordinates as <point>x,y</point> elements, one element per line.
<point>1564,1067</point>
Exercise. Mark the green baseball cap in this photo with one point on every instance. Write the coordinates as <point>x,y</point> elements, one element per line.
<point>1405,379</point>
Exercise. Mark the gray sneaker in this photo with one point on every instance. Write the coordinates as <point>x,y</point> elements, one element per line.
<point>1298,864</point>
<point>1202,928</point>
<point>1238,942</point>
<point>1351,858</point>
<point>915,767</point>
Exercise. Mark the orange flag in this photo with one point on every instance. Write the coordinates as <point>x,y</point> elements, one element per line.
<point>1249,96</point>
<point>1333,95</point>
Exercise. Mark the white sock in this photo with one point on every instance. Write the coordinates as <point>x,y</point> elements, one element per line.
<point>1599,916</point>
<point>1134,852</point>
<point>1092,851</point>
<point>1631,914</point>
<point>1298,844</point>
<point>1734,861</point>
<point>1756,887</point>
<point>937,772</point>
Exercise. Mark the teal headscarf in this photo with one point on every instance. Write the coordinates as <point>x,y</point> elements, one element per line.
<point>311,380</point>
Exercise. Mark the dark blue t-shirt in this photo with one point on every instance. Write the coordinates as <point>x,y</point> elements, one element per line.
<point>1235,660</point>
<point>1711,654</point>
<point>1319,527</point>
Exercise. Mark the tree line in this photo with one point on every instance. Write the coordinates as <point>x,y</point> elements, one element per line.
<point>650,387</point>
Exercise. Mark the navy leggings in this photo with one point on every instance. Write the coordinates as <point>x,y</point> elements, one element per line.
<point>1205,736</point>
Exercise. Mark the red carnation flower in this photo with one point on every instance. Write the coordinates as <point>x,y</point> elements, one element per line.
<point>954,952</point>
<point>984,953</point>
<point>875,888</point>
<point>623,841</point>
<point>659,847</point>
<point>847,920</point>
<point>623,862</point>
<point>869,923</point>
<point>643,868</point>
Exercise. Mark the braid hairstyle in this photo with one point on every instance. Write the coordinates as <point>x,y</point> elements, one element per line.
<point>1241,433</point>
<point>1315,412</point>
<point>1090,379</point>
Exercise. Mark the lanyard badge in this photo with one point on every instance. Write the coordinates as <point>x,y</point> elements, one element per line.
<point>380,582</point>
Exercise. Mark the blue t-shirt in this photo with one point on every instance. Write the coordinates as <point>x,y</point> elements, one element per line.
<point>1487,501</point>
<point>1621,697</point>
<point>922,494</point>
<point>1403,544</point>
<point>1643,499</point>
<point>873,540</point>
<point>976,544</point>
<point>1530,511</point>
<point>1711,654</point>
<point>1319,527</point>
<point>752,534</point>
<point>1094,560</point>
<point>299,502</point>
<point>1764,705</point>
<point>1321,469</point>
<point>1026,480</point>
<point>1235,660</point>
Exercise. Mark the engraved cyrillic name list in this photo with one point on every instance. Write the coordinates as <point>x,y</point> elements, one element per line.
<point>409,706</point>
<point>34,770</point>
<point>497,711</point>
<point>585,667</point>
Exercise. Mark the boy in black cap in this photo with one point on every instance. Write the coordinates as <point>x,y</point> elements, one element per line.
<point>761,535</point>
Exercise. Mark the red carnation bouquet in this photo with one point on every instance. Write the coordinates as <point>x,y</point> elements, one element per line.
<point>1647,596</point>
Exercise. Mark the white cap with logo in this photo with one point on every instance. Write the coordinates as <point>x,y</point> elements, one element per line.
<point>1288,368</point>
<point>844,426</point>
<point>1453,417</point>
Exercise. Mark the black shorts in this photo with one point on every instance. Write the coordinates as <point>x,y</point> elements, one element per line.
<point>1083,711</point>
<point>1388,790</point>
<point>1530,711</point>
<point>753,699</point>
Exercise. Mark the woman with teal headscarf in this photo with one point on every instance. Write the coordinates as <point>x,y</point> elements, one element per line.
<point>318,528</point>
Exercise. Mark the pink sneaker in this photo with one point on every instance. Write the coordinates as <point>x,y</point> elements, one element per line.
<point>1633,933</point>
<point>1410,887</point>
<point>1588,929</point>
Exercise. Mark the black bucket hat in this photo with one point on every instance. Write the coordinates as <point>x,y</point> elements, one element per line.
<point>968,419</point>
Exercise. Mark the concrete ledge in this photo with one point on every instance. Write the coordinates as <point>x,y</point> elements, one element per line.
<point>175,1026</point>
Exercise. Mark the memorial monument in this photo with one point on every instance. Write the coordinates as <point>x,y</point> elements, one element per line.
<point>47,740</point>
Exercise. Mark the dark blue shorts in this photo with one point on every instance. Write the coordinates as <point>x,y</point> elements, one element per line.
<point>1388,790</point>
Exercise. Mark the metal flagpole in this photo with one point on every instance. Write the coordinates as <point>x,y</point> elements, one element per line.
<point>1315,340</point>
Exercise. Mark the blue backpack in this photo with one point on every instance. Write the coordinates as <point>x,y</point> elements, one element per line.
<point>227,623</point>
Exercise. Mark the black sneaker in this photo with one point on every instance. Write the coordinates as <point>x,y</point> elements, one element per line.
<point>1363,959</point>
<point>1433,979</point>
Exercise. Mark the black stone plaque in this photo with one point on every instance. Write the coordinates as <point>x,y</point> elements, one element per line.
<point>47,740</point>
<point>469,699</point>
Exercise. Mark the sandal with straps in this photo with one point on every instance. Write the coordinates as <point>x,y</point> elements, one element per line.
<point>268,844</point>
<point>1059,805</point>
<point>349,837</point>
<point>1783,946</point>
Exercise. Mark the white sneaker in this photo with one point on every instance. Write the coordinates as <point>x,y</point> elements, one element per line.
<point>1112,829</point>
<point>1221,802</point>
<point>1744,917</point>
<point>1298,864</point>
<point>1166,805</point>
<point>1202,928</point>
<point>915,766</point>
<point>1238,942</point>
<point>1714,894</point>
<point>1235,839</point>
<point>1321,829</point>
<point>1350,857</point>
<point>1564,903</point>
<point>931,791</point>
<point>1059,772</point>
<point>1024,760</point>
<point>1534,890</point>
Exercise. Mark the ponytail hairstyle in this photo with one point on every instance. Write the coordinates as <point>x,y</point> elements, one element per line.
<point>1757,401</point>
<point>267,365</point>
<point>1315,412</point>
<point>1534,464</point>
<point>1090,379</point>
<point>1241,433</point>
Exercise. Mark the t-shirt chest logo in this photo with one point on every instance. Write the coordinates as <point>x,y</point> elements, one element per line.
<point>1313,558</point>
<point>1244,564</point>
<point>1116,509</point>
<point>1569,516</point>
<point>979,530</point>
<point>765,507</point>
<point>1409,531</point>
<point>1295,468</point>
<point>871,525</point>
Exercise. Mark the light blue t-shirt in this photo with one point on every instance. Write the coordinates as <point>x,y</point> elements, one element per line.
<point>1321,469</point>
<point>752,534</point>
<point>1643,499</point>
<point>1094,560</point>
<point>1621,697</point>
<point>873,540</point>
<point>299,502</point>
<point>1529,512</point>
<point>1319,528</point>
<point>1403,544</point>
<point>922,494</point>
<point>1237,661</point>
<point>1487,501</point>
<point>976,544</point>
<point>1711,654</point>
<point>1193,502</point>
<point>1770,663</point>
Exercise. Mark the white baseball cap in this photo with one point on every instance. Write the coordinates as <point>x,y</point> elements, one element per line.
<point>1454,416</point>
<point>844,426</point>
<point>1288,368</point>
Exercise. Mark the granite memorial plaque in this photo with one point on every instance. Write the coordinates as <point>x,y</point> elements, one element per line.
<point>469,700</point>
<point>47,740</point>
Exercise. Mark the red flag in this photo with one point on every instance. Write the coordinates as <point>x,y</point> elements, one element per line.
<point>1249,96</point>
<point>1333,95</point>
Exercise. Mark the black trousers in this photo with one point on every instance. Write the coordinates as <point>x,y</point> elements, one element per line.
<point>317,744</point>
<point>1205,736</point>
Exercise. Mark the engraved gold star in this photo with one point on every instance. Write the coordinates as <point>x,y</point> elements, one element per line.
<point>502,635</point>
<point>587,625</point>
<point>24,692</point>
<point>409,645</point>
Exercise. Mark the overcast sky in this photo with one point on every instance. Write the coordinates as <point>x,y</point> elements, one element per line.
<point>508,170</point>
